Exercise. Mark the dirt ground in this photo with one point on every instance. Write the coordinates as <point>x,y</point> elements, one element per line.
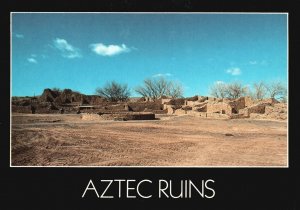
<point>66,140</point>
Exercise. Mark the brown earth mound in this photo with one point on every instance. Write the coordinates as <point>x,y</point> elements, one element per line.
<point>68,96</point>
<point>49,95</point>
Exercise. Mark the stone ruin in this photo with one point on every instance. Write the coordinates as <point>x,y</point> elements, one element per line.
<point>243,107</point>
<point>89,106</point>
<point>92,106</point>
<point>119,116</point>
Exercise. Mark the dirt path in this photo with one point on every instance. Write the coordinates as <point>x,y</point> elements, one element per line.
<point>65,140</point>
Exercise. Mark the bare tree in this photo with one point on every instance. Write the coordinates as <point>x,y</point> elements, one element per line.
<point>114,91</point>
<point>260,90</point>
<point>284,99</point>
<point>236,90</point>
<point>175,90</point>
<point>277,90</point>
<point>152,88</point>
<point>156,88</point>
<point>219,90</point>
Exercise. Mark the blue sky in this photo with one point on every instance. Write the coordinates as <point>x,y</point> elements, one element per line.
<point>84,51</point>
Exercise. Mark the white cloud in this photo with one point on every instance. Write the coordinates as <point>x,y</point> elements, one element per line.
<point>234,71</point>
<point>162,75</point>
<point>66,49</point>
<point>219,82</point>
<point>19,36</point>
<point>31,60</point>
<point>109,50</point>
<point>262,62</point>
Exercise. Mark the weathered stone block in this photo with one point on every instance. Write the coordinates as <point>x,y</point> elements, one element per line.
<point>258,108</point>
<point>180,112</point>
<point>219,107</point>
<point>202,98</point>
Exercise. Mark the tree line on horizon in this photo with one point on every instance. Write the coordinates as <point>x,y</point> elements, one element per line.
<point>151,88</point>
<point>259,90</point>
<point>156,88</point>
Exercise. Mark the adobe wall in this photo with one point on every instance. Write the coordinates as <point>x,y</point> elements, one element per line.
<point>277,111</point>
<point>202,98</point>
<point>273,116</point>
<point>165,100</point>
<point>193,103</point>
<point>248,101</point>
<point>141,106</point>
<point>200,108</point>
<point>169,109</point>
<point>219,107</point>
<point>208,115</point>
<point>268,101</point>
<point>88,116</point>
<point>180,112</point>
<point>238,104</point>
<point>259,109</point>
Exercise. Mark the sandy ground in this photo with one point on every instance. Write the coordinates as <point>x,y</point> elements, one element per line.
<point>66,140</point>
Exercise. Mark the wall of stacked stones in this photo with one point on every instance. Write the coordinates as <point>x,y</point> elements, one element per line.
<point>114,116</point>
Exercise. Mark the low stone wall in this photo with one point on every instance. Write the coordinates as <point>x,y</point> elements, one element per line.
<point>202,107</point>
<point>237,116</point>
<point>207,115</point>
<point>177,102</point>
<point>268,101</point>
<point>277,111</point>
<point>159,111</point>
<point>237,104</point>
<point>248,102</point>
<point>91,116</point>
<point>119,116</point>
<point>197,114</point>
<point>273,116</point>
<point>180,112</point>
<point>219,107</point>
<point>192,103</point>
<point>280,107</point>
<point>243,107</point>
<point>258,109</point>
<point>20,109</point>
<point>202,98</point>
<point>141,106</point>
<point>169,108</point>
<point>165,100</point>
